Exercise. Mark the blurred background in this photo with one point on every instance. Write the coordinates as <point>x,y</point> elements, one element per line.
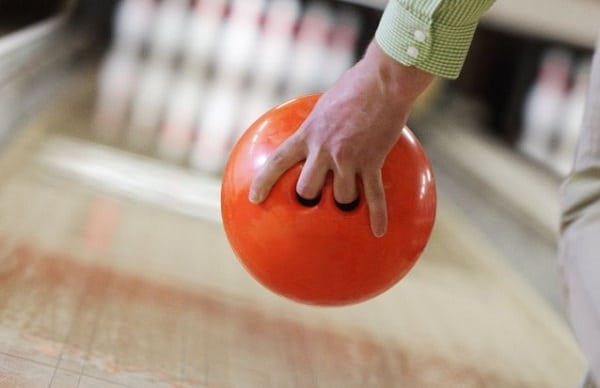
<point>117,119</point>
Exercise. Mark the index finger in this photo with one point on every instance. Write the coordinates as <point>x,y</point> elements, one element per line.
<point>287,155</point>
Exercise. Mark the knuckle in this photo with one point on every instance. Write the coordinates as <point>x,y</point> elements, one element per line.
<point>342,153</point>
<point>318,153</point>
<point>277,159</point>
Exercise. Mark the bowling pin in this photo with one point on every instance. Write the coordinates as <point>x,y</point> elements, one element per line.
<point>341,52</point>
<point>572,119</point>
<point>254,103</point>
<point>202,34</point>
<point>117,83</point>
<point>216,127</point>
<point>132,24</point>
<point>239,37</point>
<point>167,34</point>
<point>182,113</point>
<point>544,106</point>
<point>310,50</point>
<point>271,61</point>
<point>149,105</point>
<point>275,44</point>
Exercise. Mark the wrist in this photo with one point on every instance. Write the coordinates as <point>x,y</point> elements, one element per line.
<point>404,83</point>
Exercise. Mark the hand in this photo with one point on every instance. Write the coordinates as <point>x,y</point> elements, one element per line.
<point>352,128</point>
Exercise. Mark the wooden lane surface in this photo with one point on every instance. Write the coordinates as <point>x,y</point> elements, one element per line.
<point>99,291</point>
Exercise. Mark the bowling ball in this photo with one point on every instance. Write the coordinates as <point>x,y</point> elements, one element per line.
<point>319,253</point>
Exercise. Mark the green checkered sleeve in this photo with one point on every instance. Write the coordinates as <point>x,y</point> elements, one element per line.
<point>433,35</point>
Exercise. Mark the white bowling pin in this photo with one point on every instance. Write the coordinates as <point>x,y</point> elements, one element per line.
<point>167,34</point>
<point>181,117</point>
<point>341,52</point>
<point>202,34</point>
<point>149,105</point>
<point>572,119</point>
<point>117,82</point>
<point>132,24</point>
<point>216,128</point>
<point>544,105</point>
<point>310,49</point>
<point>239,37</point>
<point>275,44</point>
<point>270,62</point>
<point>254,103</point>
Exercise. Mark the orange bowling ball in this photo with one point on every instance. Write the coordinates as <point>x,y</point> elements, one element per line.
<point>321,254</point>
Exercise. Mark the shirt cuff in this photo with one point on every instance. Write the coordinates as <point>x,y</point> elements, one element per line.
<point>431,46</point>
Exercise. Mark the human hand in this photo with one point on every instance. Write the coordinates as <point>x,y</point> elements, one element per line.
<point>351,130</point>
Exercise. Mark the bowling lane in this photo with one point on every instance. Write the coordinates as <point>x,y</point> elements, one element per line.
<point>103,286</point>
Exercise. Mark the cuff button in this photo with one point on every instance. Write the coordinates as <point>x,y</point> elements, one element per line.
<point>412,52</point>
<point>420,36</point>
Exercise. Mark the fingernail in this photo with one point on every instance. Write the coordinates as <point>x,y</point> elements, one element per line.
<point>379,232</point>
<point>254,197</point>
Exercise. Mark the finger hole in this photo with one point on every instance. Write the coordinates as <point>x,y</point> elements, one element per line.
<point>348,207</point>
<point>308,202</point>
<point>345,190</point>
